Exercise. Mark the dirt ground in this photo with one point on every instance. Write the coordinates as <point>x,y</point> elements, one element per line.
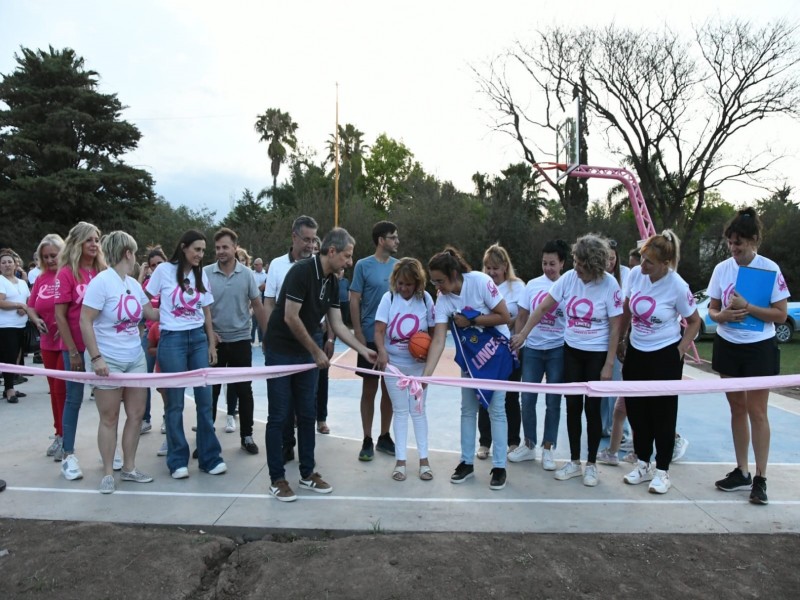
<point>64,560</point>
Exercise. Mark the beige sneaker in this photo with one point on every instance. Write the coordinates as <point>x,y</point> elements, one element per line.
<point>315,483</point>
<point>282,491</point>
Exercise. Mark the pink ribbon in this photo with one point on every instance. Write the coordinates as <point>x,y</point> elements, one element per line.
<point>631,389</point>
<point>411,384</point>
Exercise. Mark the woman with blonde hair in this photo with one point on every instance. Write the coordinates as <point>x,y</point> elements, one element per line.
<point>42,301</point>
<point>592,302</point>
<point>113,307</point>
<point>656,298</point>
<point>79,262</point>
<point>403,311</point>
<point>497,265</point>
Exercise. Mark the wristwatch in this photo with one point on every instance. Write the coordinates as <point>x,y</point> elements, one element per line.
<point>472,322</point>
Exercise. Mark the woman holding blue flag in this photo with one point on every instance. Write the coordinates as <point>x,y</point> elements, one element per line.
<point>472,305</point>
<point>745,344</point>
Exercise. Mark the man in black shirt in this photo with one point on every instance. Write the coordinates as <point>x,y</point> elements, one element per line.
<point>309,292</point>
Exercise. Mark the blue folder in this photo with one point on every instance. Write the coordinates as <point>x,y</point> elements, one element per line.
<point>755,286</point>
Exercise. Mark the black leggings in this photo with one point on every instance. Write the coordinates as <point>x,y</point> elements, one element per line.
<point>653,418</point>
<point>581,366</point>
<point>11,339</point>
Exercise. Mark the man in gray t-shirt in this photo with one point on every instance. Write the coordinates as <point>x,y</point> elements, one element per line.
<point>370,283</point>
<point>235,294</point>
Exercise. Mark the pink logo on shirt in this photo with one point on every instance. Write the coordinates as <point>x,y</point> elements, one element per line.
<point>727,295</point>
<point>129,313</point>
<point>617,299</point>
<point>492,289</point>
<point>183,307</point>
<point>642,308</point>
<point>690,298</point>
<point>579,312</point>
<point>399,333</point>
<point>47,292</point>
<point>80,291</point>
<point>781,283</point>
<point>550,317</point>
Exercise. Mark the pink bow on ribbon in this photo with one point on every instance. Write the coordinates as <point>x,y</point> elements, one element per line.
<point>404,382</point>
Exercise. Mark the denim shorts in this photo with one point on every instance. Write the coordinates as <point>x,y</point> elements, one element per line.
<point>138,365</point>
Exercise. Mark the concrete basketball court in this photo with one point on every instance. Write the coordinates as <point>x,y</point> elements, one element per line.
<point>365,498</point>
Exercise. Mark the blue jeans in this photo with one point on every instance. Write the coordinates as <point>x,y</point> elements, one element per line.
<point>535,364</point>
<point>72,406</point>
<point>180,351</point>
<point>299,390</point>
<point>469,426</point>
<point>151,365</point>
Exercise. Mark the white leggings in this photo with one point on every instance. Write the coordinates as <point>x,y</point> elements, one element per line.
<point>404,404</point>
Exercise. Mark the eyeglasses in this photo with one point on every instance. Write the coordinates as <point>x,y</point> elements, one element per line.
<point>187,287</point>
<point>391,237</point>
<point>305,240</point>
<point>438,282</point>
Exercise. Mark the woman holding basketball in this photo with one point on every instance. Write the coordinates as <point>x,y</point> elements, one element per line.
<point>461,289</point>
<point>405,310</point>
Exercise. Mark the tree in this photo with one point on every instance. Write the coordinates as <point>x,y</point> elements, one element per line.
<point>61,143</point>
<point>351,158</point>
<point>246,210</point>
<point>658,97</point>
<point>277,128</point>
<point>388,165</point>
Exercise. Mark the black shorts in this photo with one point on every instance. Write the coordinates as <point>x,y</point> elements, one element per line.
<point>363,363</point>
<point>759,359</point>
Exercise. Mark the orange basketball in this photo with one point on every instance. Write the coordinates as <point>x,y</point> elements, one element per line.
<point>418,345</point>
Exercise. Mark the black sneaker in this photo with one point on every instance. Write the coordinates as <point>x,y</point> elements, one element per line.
<point>758,495</point>
<point>288,454</point>
<point>37,359</point>
<point>194,454</point>
<point>19,380</point>
<point>385,444</point>
<point>735,481</point>
<point>498,479</point>
<point>462,473</point>
<point>248,445</point>
<point>367,450</point>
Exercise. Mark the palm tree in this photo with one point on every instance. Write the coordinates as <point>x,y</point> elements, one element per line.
<point>277,128</point>
<point>351,156</point>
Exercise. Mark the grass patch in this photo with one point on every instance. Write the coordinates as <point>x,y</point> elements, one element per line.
<point>790,355</point>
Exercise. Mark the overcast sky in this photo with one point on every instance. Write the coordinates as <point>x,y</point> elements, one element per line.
<point>195,74</point>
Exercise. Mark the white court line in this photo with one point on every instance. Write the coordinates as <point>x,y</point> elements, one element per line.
<point>383,499</point>
<point>338,358</point>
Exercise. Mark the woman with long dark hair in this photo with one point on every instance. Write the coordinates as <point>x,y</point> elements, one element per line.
<point>470,299</point>
<point>187,343</point>
<point>746,351</point>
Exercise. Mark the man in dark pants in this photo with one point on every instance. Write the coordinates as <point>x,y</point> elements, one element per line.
<point>235,293</point>
<point>310,291</point>
<point>304,232</point>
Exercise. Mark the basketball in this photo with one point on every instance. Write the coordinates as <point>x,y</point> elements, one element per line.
<point>418,345</point>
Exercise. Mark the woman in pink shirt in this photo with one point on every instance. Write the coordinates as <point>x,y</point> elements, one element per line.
<point>78,263</point>
<point>43,302</point>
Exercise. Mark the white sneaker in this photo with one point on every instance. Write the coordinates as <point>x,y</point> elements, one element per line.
<point>180,473</point>
<point>568,471</point>
<point>54,447</point>
<point>163,426</point>
<point>590,477</point>
<point>163,450</point>
<point>548,463</point>
<point>70,468</point>
<point>660,483</point>
<point>522,453</point>
<point>631,458</point>
<point>107,485</point>
<point>681,444</point>
<point>230,424</point>
<point>606,457</point>
<point>146,427</point>
<point>643,472</point>
<point>117,465</point>
<point>219,469</point>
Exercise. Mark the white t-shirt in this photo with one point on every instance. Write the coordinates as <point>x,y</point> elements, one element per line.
<point>513,292</point>
<point>278,269</point>
<point>403,319</point>
<point>261,278</point>
<point>478,292</point>
<point>33,274</point>
<point>120,303</point>
<point>181,307</point>
<point>549,333</point>
<point>588,307</point>
<point>721,287</point>
<point>624,273</point>
<point>656,309</point>
<point>15,292</point>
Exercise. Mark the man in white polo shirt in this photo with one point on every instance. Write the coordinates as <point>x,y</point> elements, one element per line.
<point>235,293</point>
<point>304,230</point>
<point>260,275</point>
